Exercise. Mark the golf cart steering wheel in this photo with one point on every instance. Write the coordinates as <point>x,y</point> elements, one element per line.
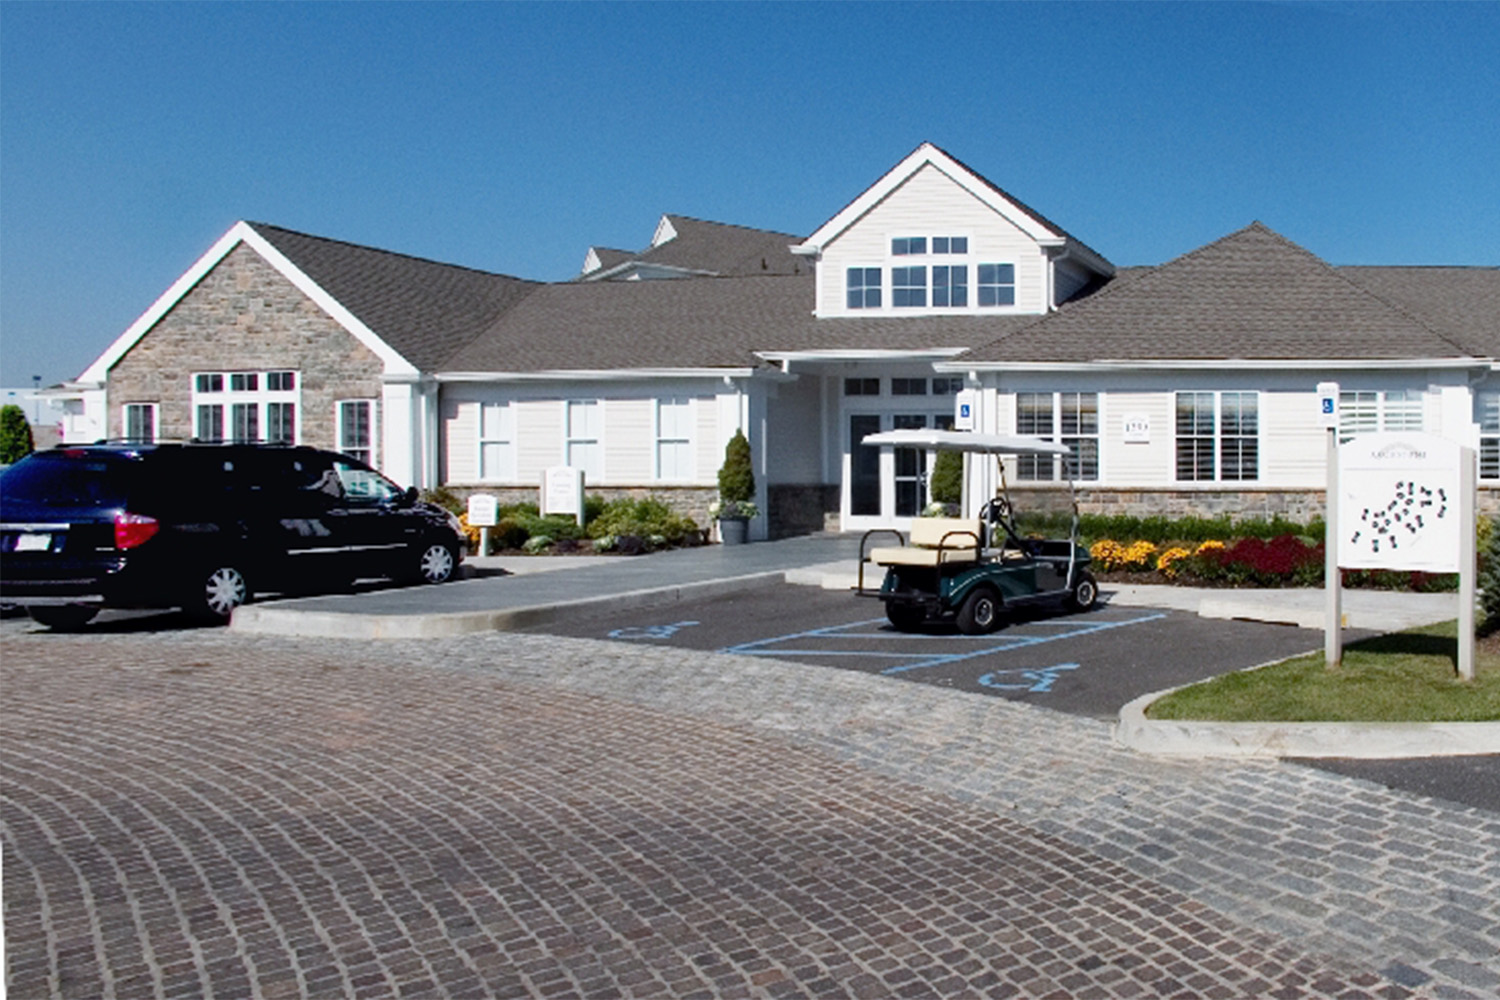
<point>996,510</point>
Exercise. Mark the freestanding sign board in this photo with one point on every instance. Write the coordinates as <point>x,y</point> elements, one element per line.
<point>484,514</point>
<point>1400,503</point>
<point>562,491</point>
<point>1405,501</point>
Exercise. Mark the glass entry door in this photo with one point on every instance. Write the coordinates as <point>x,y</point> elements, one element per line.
<point>911,469</point>
<point>864,466</point>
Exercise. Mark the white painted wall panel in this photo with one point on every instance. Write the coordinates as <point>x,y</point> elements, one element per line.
<point>794,415</point>
<point>629,440</point>
<point>931,204</point>
<point>539,437</point>
<point>1293,444</point>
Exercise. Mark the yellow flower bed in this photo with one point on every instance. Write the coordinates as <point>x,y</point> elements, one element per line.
<point>1111,555</point>
<point>1166,563</point>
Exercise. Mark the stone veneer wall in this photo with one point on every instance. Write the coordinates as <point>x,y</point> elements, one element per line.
<point>802,509</point>
<point>244,316</point>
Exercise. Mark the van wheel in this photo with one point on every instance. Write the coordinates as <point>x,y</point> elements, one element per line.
<point>980,612</point>
<point>220,590</point>
<point>1084,593</point>
<point>436,564</point>
<point>63,617</point>
<point>905,617</point>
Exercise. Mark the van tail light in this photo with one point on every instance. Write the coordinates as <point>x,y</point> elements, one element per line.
<point>132,530</point>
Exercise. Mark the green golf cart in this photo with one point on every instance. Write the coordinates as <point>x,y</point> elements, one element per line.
<point>973,569</point>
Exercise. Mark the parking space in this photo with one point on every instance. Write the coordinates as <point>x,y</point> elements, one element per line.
<point>1089,664</point>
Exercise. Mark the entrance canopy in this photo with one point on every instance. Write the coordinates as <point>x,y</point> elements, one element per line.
<point>987,444</point>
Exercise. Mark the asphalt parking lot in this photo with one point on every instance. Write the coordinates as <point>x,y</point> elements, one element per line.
<point>1086,664</point>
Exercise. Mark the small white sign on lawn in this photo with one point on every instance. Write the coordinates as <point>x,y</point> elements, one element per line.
<point>484,510</point>
<point>562,491</point>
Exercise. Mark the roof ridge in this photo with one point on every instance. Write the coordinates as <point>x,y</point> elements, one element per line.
<point>728,225</point>
<point>258,226</point>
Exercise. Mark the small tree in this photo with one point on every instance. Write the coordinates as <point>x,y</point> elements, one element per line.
<point>948,478</point>
<point>736,481</point>
<point>15,434</point>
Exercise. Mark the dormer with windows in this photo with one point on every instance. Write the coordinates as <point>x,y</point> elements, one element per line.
<point>931,237</point>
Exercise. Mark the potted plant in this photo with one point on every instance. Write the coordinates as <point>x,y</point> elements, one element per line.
<point>735,507</point>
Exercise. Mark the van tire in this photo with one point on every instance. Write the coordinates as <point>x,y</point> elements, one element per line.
<point>220,589</point>
<point>62,617</point>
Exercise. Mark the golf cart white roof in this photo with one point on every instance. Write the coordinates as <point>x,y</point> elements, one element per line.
<point>989,444</point>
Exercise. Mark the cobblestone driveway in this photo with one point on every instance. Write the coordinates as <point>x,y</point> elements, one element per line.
<point>204,814</point>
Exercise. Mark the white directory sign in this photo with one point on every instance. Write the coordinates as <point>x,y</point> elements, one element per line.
<point>1399,503</point>
<point>965,409</point>
<point>484,510</point>
<point>562,491</point>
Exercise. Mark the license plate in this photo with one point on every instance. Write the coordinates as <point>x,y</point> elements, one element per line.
<point>33,543</point>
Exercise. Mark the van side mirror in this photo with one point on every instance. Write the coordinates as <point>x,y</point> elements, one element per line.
<point>410,496</point>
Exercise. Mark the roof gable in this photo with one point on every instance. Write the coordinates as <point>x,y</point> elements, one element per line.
<point>1250,295</point>
<point>1023,217</point>
<point>686,247</point>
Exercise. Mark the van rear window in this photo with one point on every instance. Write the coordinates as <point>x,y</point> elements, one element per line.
<point>60,479</point>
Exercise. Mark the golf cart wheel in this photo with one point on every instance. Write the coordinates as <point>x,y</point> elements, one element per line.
<point>62,617</point>
<point>905,617</point>
<point>1084,593</point>
<point>980,612</point>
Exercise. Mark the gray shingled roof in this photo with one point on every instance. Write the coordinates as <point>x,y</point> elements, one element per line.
<point>720,249</point>
<point>1462,303</point>
<point>423,309</point>
<point>1251,295</point>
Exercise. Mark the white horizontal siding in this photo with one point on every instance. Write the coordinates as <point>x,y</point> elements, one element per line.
<point>539,437</point>
<point>1150,464</point>
<point>629,440</point>
<point>931,204</point>
<point>1293,444</point>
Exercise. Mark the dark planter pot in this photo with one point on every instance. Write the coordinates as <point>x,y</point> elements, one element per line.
<point>734,530</point>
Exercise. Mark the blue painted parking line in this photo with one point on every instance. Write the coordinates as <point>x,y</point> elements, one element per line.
<point>1032,678</point>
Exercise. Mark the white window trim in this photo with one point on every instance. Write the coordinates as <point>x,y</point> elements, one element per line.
<point>1218,437</point>
<point>154,409</point>
<point>259,397</point>
<point>689,441</point>
<point>1056,434</point>
<point>338,429</point>
<point>599,439</point>
<point>1487,405</point>
<point>507,422</point>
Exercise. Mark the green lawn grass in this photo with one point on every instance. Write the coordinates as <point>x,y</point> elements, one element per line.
<point>1402,677</point>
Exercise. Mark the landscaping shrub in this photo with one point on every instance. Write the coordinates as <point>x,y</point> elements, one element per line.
<point>1489,578</point>
<point>947,481</point>
<point>737,474</point>
<point>645,517</point>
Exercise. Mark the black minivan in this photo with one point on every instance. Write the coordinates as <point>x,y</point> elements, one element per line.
<point>204,527</point>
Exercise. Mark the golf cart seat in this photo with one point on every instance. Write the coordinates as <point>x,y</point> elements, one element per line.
<point>934,540</point>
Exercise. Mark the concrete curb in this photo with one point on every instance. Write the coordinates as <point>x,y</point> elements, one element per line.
<point>259,619</point>
<point>1372,740</point>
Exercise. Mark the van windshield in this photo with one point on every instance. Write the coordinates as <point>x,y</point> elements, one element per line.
<point>66,480</point>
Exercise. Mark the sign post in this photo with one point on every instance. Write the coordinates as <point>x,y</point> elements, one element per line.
<point>484,514</point>
<point>1333,582</point>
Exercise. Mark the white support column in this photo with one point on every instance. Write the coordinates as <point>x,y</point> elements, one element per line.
<point>399,427</point>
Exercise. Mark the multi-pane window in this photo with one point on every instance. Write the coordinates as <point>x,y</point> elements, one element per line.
<point>862,285</point>
<point>908,387</point>
<point>140,422</point>
<point>1363,411</point>
<point>674,440</point>
<point>1078,424</point>
<point>246,406</point>
<point>996,285</point>
<point>945,385</point>
<point>497,443</point>
<point>950,244</point>
<point>909,286</point>
<point>1034,417</point>
<point>584,447</point>
<point>908,245</point>
<point>356,429</point>
<point>950,285</point>
<point>1070,418</point>
<point>1487,415</point>
<point>1218,436</point>
<point>861,386</point>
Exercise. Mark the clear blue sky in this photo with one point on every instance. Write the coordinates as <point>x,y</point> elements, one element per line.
<point>509,137</point>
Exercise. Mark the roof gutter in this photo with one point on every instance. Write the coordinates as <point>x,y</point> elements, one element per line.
<point>606,374</point>
<point>1127,364</point>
